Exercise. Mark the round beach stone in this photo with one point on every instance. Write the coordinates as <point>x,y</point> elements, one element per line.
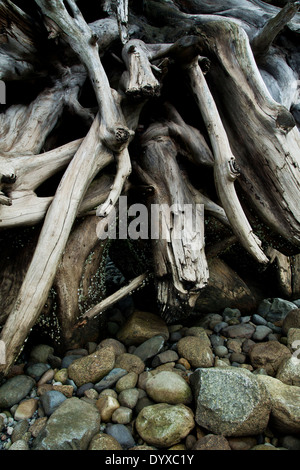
<point>26,409</point>
<point>37,426</point>
<point>129,397</point>
<point>51,400</point>
<point>197,350</point>
<point>14,390</point>
<point>19,445</point>
<point>150,348</point>
<point>37,370</point>
<point>242,330</point>
<point>165,357</point>
<point>122,415</point>
<point>212,442</point>
<point>128,381</point>
<point>268,355</point>
<point>261,332</point>
<point>259,320</point>
<point>274,309</point>
<point>108,392</point>
<point>40,353</point>
<point>117,346</point>
<point>106,406</point>
<point>292,320</point>
<point>46,377</point>
<point>130,362</point>
<point>141,326</point>
<point>220,351</point>
<point>92,368</point>
<point>122,435</point>
<point>61,375</point>
<point>229,313</point>
<point>293,341</point>
<point>289,371</point>
<point>20,429</point>
<point>66,390</point>
<point>163,425</point>
<point>169,387</point>
<point>102,441</point>
<point>110,379</point>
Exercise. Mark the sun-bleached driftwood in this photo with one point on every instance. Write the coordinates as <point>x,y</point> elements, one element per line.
<point>80,37</point>
<point>139,80</point>
<point>53,238</point>
<point>224,142</point>
<point>112,299</point>
<point>197,148</point>
<point>225,167</point>
<point>262,41</point>
<point>178,241</point>
<point>18,44</point>
<point>249,109</point>
<point>122,16</point>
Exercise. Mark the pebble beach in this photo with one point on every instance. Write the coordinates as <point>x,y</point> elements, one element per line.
<point>222,381</point>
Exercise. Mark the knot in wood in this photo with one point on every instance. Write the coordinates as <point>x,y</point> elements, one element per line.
<point>122,134</point>
<point>234,170</point>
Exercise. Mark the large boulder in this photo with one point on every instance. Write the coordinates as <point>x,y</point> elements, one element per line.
<point>230,401</point>
<point>285,404</point>
<point>70,427</point>
<point>289,371</point>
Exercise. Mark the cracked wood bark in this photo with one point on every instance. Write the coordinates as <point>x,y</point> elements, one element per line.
<point>139,80</point>
<point>178,235</point>
<point>251,14</point>
<point>122,15</point>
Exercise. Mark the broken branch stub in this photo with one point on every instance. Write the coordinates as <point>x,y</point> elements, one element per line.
<point>177,224</point>
<point>139,81</point>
